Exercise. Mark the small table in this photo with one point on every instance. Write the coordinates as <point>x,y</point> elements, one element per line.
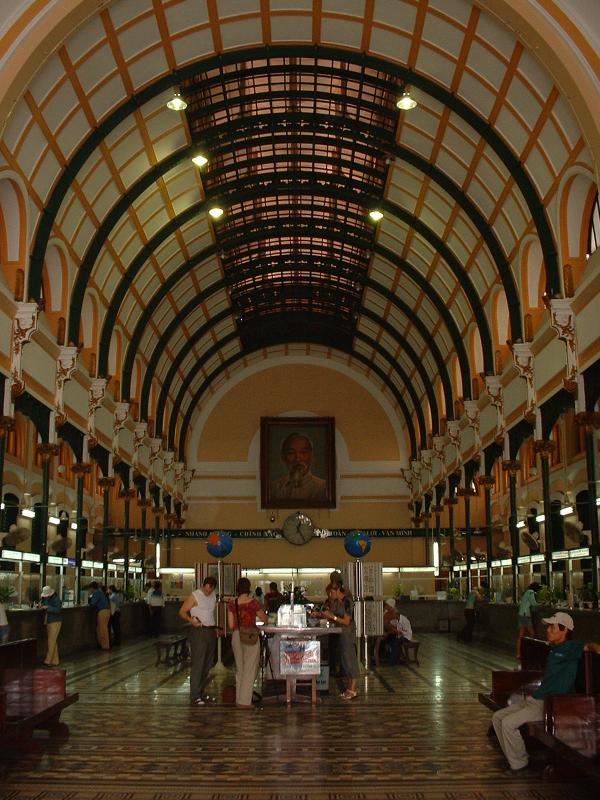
<point>291,681</point>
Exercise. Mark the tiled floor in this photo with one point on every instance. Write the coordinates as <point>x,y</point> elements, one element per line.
<point>414,733</point>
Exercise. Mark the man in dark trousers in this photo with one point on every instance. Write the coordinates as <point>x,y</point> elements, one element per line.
<point>559,678</point>
<point>198,610</point>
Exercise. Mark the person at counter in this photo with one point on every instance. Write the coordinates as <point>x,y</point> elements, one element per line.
<point>273,599</point>
<point>526,606</point>
<point>198,610</point>
<point>559,678</point>
<point>156,602</point>
<point>115,598</point>
<point>341,613</point>
<point>243,612</point>
<point>99,601</point>
<point>53,605</point>
<point>4,627</point>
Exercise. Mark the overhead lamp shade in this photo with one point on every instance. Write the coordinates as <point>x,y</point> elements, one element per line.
<point>406,102</point>
<point>199,160</point>
<point>216,212</point>
<point>177,103</point>
<point>375,215</point>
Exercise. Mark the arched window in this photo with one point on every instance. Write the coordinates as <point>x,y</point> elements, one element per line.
<point>594,229</point>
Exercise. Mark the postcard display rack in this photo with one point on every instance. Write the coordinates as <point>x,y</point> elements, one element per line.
<point>365,582</point>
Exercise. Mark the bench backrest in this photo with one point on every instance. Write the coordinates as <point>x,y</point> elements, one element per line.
<point>534,653</point>
<point>573,720</point>
<point>16,682</point>
<point>21,654</point>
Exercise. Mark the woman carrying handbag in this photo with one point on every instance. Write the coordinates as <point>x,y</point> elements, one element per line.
<point>245,642</point>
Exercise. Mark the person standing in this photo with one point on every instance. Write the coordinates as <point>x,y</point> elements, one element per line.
<point>156,602</point>
<point>559,678</point>
<point>526,606</point>
<point>100,602</point>
<point>53,605</point>
<point>115,598</point>
<point>470,616</point>
<point>4,628</point>
<point>198,610</point>
<point>243,612</point>
<point>341,612</point>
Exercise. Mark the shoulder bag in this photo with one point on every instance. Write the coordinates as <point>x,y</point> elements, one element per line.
<point>248,633</point>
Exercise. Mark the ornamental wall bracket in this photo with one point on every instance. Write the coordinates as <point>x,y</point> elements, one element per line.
<point>493,386</point>
<point>188,477</point>
<point>120,415</point>
<point>473,419</point>
<point>66,364</point>
<point>25,324</point>
<point>140,431</point>
<point>590,420</point>
<point>453,431</point>
<point>155,448</point>
<point>95,398</point>
<point>523,359</point>
<point>562,320</point>
<point>168,460</point>
<point>178,468</point>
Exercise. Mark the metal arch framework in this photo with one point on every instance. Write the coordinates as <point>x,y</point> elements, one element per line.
<point>427,85</point>
<point>211,351</point>
<point>222,284</point>
<point>157,171</point>
<point>198,208</point>
<point>167,381</point>
<point>243,354</point>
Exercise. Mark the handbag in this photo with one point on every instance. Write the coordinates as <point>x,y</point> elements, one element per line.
<point>248,633</point>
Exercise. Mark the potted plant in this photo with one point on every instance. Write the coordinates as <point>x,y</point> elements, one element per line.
<point>588,595</point>
<point>546,596</point>
<point>7,594</point>
<point>453,590</point>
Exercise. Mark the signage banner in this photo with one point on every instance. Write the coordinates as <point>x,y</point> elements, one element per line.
<point>300,657</point>
<point>322,533</point>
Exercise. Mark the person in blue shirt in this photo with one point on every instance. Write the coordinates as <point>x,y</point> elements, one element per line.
<point>53,605</point>
<point>115,597</point>
<point>559,678</point>
<point>526,606</point>
<point>100,602</point>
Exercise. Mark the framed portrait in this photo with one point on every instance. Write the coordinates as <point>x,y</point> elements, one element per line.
<point>297,462</point>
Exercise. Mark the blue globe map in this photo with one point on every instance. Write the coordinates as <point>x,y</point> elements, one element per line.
<point>357,544</point>
<point>219,544</point>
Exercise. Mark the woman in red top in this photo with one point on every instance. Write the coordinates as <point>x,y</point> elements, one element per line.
<point>244,612</point>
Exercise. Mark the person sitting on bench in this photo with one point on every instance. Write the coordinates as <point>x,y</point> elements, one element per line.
<point>397,628</point>
<point>559,678</point>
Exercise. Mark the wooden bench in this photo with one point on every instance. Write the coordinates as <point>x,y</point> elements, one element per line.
<point>171,651</point>
<point>32,699</point>
<point>409,647</point>
<point>505,683</point>
<point>21,654</point>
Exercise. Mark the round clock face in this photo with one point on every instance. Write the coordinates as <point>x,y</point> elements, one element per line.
<point>298,528</point>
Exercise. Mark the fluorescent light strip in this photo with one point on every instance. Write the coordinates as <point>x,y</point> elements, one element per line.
<point>27,512</point>
<point>564,512</point>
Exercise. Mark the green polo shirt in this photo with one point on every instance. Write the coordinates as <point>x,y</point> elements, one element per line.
<point>561,668</point>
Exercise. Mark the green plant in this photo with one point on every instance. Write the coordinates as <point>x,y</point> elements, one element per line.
<point>547,596</point>
<point>7,594</point>
<point>129,593</point>
<point>399,590</point>
<point>588,593</point>
<point>453,589</point>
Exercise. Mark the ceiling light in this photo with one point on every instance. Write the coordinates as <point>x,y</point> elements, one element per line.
<point>520,524</point>
<point>199,160</point>
<point>73,526</point>
<point>27,512</point>
<point>564,512</point>
<point>177,103</point>
<point>54,520</point>
<point>216,212</point>
<point>376,215</point>
<point>540,518</point>
<point>406,102</point>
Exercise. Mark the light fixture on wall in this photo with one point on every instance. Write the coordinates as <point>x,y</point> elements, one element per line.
<point>176,103</point>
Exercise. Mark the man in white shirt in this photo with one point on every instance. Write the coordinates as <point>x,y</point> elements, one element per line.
<point>198,610</point>
<point>398,628</point>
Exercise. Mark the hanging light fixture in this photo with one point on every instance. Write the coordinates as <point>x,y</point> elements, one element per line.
<point>406,102</point>
<point>216,212</point>
<point>376,215</point>
<point>199,160</point>
<point>177,103</point>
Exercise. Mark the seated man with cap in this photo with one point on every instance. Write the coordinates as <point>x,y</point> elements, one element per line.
<point>559,678</point>
<point>397,628</point>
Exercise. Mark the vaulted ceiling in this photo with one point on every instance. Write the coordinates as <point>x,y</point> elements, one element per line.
<point>294,107</point>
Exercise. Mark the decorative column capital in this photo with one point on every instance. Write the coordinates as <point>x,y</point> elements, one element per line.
<point>511,466</point>
<point>46,450</point>
<point>7,424</point>
<point>453,430</point>
<point>127,494</point>
<point>106,483</point>
<point>487,481</point>
<point>81,468</point>
<point>590,420</point>
<point>544,447</point>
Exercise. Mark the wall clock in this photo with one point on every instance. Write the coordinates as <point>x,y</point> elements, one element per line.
<point>298,528</point>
